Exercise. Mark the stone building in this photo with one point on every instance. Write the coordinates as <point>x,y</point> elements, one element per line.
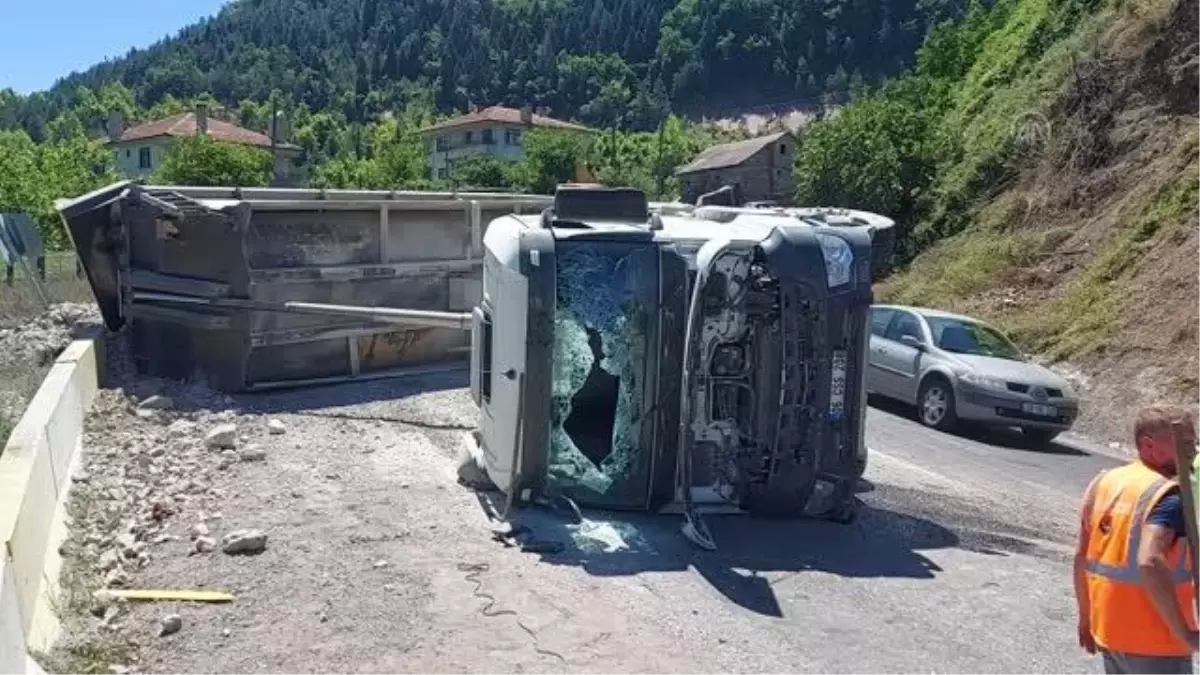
<point>759,169</point>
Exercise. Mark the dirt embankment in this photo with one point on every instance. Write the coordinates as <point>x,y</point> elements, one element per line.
<point>1090,254</point>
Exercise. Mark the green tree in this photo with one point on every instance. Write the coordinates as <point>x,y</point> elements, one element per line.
<point>33,176</point>
<point>872,155</point>
<point>551,158</point>
<point>481,171</point>
<point>199,160</point>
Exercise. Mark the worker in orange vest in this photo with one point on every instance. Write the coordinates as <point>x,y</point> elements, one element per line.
<point>1133,579</point>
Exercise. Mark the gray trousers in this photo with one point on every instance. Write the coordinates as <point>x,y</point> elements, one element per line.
<point>1133,664</point>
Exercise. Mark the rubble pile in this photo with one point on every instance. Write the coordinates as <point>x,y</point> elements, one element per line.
<point>39,340</point>
<point>147,480</point>
<point>29,345</point>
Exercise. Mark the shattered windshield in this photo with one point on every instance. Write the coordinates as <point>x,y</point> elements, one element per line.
<point>606,300</point>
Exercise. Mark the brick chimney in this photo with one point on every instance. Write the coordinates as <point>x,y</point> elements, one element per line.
<point>527,114</point>
<point>115,126</point>
<point>202,119</point>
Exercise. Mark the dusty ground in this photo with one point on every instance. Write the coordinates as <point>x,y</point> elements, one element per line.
<point>377,561</point>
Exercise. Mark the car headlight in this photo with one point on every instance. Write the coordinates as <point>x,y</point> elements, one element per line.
<point>839,259</point>
<point>983,381</point>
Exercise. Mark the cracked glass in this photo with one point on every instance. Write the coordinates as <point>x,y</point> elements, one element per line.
<point>606,301</point>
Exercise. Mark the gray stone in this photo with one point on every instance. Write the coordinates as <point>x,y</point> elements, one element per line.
<point>145,413</point>
<point>252,453</point>
<point>169,625</point>
<point>276,427</point>
<point>181,429</point>
<point>109,559</point>
<point>116,577</point>
<point>127,542</point>
<point>244,542</point>
<point>221,437</point>
<point>200,530</point>
<point>156,402</point>
<point>205,545</point>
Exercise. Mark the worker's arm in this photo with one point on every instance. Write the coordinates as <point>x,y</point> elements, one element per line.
<point>1082,599</point>
<point>1162,528</point>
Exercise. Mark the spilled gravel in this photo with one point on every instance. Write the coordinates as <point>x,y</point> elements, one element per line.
<point>333,517</point>
<point>28,347</point>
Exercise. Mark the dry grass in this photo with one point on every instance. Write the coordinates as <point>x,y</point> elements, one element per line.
<point>19,302</point>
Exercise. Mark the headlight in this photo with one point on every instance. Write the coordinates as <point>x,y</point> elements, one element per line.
<point>982,380</point>
<point>839,259</point>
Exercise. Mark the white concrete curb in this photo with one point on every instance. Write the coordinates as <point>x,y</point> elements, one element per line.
<point>35,478</point>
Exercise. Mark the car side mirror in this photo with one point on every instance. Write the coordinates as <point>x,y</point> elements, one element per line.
<point>912,341</point>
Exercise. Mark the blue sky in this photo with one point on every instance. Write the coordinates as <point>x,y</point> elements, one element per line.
<point>43,40</point>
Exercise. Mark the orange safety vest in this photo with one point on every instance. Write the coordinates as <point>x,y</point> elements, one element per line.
<point>1123,616</point>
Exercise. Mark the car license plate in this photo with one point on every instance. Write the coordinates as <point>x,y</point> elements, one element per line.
<point>837,385</point>
<point>1040,409</point>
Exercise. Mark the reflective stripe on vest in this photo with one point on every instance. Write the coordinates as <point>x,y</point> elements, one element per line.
<point>1130,574</point>
<point>1123,617</point>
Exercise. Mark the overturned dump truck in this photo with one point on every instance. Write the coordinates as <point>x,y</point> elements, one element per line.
<point>623,355</point>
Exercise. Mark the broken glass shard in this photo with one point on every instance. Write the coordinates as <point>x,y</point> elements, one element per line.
<point>607,297</point>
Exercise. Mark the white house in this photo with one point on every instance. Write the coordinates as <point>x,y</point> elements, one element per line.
<point>495,131</point>
<point>140,150</point>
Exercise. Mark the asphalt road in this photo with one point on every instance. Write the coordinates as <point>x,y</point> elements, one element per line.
<point>1048,483</point>
<point>958,562</point>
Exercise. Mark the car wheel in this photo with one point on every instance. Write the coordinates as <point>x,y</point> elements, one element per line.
<point>935,404</point>
<point>1039,438</point>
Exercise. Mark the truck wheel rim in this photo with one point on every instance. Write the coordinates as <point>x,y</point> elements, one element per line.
<point>933,406</point>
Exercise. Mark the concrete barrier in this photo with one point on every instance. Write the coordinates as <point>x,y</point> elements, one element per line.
<point>35,479</point>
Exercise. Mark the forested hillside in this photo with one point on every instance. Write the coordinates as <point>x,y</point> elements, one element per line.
<point>604,62</point>
<point>1041,158</point>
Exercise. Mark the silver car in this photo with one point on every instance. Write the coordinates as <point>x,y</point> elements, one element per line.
<point>956,368</point>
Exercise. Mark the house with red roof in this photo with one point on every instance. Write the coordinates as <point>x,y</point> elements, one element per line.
<point>140,149</point>
<point>495,131</point>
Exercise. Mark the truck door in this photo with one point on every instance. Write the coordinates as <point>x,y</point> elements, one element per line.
<point>499,359</point>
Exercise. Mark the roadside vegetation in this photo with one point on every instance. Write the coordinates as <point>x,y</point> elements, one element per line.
<point>1041,159</point>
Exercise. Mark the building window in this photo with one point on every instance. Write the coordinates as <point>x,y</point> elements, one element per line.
<point>512,137</point>
<point>468,137</point>
<point>783,148</point>
<point>443,144</point>
<point>128,153</point>
<point>488,137</point>
<point>144,159</point>
<point>442,173</point>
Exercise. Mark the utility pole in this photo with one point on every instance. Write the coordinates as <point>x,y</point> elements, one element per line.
<point>658,162</point>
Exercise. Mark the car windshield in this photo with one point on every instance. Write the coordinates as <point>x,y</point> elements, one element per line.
<point>968,337</point>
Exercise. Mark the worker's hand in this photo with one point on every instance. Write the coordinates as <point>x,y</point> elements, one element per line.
<point>1085,636</point>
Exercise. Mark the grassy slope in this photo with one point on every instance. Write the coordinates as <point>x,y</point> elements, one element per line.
<point>1087,252</point>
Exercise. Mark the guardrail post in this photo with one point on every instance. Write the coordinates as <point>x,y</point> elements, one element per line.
<point>474,216</point>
